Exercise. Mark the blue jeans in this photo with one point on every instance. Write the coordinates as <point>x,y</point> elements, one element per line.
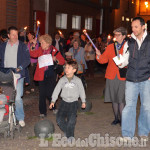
<point>19,112</point>
<point>129,112</point>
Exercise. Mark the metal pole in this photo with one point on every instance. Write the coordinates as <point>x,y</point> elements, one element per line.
<point>101,16</point>
<point>101,21</point>
<point>139,6</point>
<point>47,16</point>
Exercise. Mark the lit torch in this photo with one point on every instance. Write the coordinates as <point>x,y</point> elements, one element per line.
<point>59,32</point>
<point>84,31</point>
<point>38,27</point>
<point>117,50</point>
<point>109,37</point>
<point>25,28</point>
<point>129,35</point>
<point>114,39</point>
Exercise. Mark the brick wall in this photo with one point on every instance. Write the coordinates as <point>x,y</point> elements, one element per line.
<point>23,13</point>
<point>2,14</point>
<point>25,9</point>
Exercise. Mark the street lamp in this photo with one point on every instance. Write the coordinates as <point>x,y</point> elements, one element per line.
<point>146,4</point>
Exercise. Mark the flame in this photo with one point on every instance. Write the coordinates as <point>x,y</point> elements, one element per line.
<point>38,22</point>
<point>59,32</point>
<point>109,37</point>
<point>84,31</point>
<point>25,28</point>
<point>129,35</point>
<point>146,3</point>
<point>114,39</point>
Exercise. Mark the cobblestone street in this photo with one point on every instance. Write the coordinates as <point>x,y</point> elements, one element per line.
<point>97,122</point>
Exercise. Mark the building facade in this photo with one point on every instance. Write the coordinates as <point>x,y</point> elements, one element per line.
<point>96,16</point>
<point>75,15</point>
<point>14,12</point>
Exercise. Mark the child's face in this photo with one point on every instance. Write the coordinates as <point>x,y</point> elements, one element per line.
<point>69,70</point>
<point>1,103</point>
<point>68,57</point>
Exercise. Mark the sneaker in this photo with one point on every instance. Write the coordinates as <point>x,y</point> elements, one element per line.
<point>70,140</point>
<point>27,92</point>
<point>42,115</point>
<point>22,123</point>
<point>55,111</point>
<point>144,138</point>
<point>32,90</point>
<point>115,122</point>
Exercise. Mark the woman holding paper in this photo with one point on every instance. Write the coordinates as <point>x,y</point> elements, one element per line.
<point>45,73</point>
<point>115,84</point>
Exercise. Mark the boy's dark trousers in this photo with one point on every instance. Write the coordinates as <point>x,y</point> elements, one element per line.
<point>66,117</point>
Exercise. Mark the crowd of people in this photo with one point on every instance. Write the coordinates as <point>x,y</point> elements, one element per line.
<point>44,57</point>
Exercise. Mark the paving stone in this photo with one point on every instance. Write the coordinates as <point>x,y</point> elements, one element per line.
<point>98,122</point>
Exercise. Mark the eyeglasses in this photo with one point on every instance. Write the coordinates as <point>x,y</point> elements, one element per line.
<point>117,35</point>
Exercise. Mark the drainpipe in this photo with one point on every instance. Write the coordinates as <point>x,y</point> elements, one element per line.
<point>139,6</point>
<point>101,21</point>
<point>47,16</point>
<point>101,16</point>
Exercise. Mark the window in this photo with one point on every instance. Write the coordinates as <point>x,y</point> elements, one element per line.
<point>76,22</point>
<point>88,23</point>
<point>61,21</point>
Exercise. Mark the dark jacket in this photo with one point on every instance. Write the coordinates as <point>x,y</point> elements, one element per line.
<point>61,44</point>
<point>23,56</point>
<point>139,60</point>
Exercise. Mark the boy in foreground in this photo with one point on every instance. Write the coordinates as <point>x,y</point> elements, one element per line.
<point>72,88</point>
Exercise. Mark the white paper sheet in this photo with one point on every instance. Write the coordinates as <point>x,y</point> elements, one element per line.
<point>16,77</point>
<point>45,60</point>
<point>117,60</point>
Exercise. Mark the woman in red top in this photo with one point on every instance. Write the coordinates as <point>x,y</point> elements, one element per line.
<point>45,72</point>
<point>115,85</point>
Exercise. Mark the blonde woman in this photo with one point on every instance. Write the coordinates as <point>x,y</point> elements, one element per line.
<point>46,74</point>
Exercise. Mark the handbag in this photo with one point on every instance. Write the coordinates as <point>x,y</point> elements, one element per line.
<point>122,71</point>
<point>58,68</point>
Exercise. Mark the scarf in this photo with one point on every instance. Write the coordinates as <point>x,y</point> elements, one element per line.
<point>75,51</point>
<point>57,43</point>
<point>118,45</point>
